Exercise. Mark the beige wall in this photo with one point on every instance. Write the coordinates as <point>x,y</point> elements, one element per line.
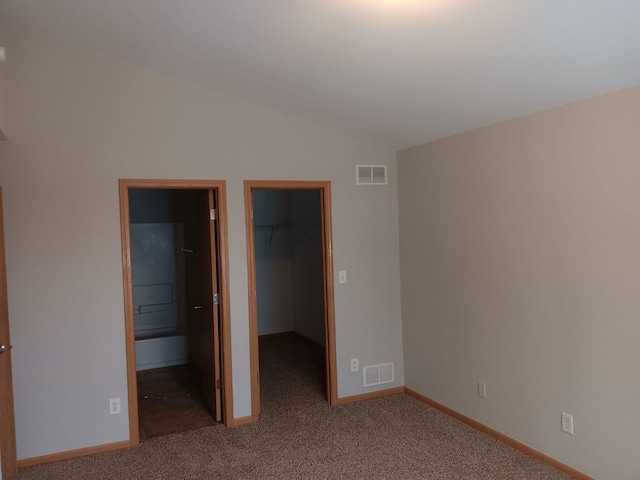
<point>79,121</point>
<point>520,261</point>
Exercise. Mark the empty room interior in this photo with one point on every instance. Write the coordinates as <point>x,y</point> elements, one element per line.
<point>356,239</point>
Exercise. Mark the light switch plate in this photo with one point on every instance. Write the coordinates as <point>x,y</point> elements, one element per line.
<point>342,276</point>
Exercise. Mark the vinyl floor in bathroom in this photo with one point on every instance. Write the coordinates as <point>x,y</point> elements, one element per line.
<point>169,401</point>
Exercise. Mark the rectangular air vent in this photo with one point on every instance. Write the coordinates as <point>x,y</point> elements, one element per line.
<point>378,374</point>
<point>371,175</point>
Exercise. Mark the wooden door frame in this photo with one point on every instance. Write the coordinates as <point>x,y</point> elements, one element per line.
<point>8,457</point>
<point>225,315</point>
<point>327,263</point>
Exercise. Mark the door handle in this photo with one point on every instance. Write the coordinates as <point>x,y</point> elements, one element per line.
<point>3,348</point>
<point>198,307</point>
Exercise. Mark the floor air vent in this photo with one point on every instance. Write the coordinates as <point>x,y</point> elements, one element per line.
<point>378,374</point>
<point>371,174</point>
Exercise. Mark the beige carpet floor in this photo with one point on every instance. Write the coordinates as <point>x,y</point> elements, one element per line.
<point>300,436</point>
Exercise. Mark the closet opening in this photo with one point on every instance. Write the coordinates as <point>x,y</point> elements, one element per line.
<point>291,293</point>
<point>174,257</point>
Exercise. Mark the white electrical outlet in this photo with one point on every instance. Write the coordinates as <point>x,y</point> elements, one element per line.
<point>354,364</point>
<point>482,389</point>
<point>567,423</point>
<point>114,406</point>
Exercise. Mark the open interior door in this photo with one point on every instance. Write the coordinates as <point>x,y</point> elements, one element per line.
<point>202,297</point>
<point>7,425</point>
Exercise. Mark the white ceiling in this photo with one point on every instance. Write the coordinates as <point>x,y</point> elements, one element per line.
<point>400,72</point>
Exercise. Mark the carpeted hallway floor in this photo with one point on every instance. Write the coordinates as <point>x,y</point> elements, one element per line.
<point>300,436</point>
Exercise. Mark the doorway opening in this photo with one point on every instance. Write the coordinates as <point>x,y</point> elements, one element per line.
<point>292,334</point>
<point>175,268</point>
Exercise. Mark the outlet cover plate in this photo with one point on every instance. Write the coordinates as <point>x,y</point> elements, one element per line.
<point>354,365</point>
<point>482,389</point>
<point>114,406</point>
<point>567,423</point>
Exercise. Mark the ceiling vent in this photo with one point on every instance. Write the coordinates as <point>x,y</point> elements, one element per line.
<point>371,175</point>
<point>378,374</point>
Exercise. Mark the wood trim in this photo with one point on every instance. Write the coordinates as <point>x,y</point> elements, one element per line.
<point>225,302</point>
<point>7,422</point>
<point>238,422</point>
<point>329,302</point>
<point>254,356</point>
<point>572,472</point>
<point>132,387</point>
<point>225,321</point>
<point>288,184</point>
<point>173,184</point>
<point>369,396</point>
<point>81,452</point>
<point>327,240</point>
